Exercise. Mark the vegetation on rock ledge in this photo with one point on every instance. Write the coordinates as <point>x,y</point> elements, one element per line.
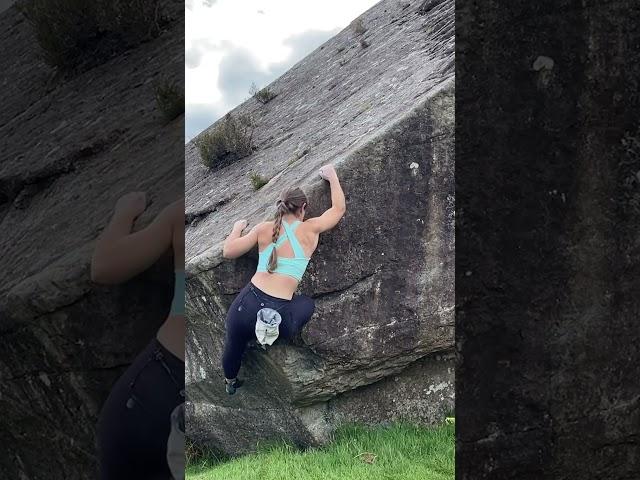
<point>230,140</point>
<point>170,99</point>
<point>258,181</point>
<point>262,95</point>
<point>75,33</point>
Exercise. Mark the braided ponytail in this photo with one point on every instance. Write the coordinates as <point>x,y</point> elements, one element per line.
<point>291,201</point>
<point>277,225</point>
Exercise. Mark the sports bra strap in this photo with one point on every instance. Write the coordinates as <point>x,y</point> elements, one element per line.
<point>293,240</point>
<point>280,241</point>
<point>283,238</point>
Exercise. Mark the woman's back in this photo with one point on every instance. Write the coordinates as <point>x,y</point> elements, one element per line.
<point>294,247</point>
<point>307,239</point>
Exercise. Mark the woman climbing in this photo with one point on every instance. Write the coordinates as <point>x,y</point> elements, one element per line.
<point>267,309</point>
<point>135,421</point>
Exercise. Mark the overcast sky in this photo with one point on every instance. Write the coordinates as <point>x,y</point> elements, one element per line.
<point>232,43</point>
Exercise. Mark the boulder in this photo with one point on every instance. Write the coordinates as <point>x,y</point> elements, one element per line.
<point>378,346</point>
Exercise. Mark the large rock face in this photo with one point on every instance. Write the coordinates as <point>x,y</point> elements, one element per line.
<point>548,158</point>
<point>70,147</point>
<point>377,347</point>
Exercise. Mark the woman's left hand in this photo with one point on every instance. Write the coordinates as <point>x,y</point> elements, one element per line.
<point>240,225</point>
<point>131,204</point>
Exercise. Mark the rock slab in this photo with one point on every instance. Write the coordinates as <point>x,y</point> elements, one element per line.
<point>70,147</point>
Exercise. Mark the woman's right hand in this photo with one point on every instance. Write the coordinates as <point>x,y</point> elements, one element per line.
<point>131,204</point>
<point>328,172</point>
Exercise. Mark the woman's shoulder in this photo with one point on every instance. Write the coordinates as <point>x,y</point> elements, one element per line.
<point>308,223</point>
<point>266,225</point>
<point>306,227</point>
<point>172,215</point>
<point>264,228</point>
<point>264,231</point>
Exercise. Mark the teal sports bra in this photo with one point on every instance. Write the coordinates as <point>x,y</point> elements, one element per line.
<point>177,306</point>
<point>293,267</point>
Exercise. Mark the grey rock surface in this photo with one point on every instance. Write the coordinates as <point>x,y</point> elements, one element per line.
<point>548,151</point>
<point>382,280</point>
<point>70,147</point>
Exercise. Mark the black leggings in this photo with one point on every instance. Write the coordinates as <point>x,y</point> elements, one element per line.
<point>241,322</point>
<point>135,421</point>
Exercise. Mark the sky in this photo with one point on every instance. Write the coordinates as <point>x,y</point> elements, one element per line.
<point>231,44</point>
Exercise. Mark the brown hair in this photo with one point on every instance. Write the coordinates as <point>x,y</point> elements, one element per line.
<point>290,201</point>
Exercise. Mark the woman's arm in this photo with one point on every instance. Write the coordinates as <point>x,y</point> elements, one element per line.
<point>332,216</point>
<point>236,245</point>
<point>119,254</point>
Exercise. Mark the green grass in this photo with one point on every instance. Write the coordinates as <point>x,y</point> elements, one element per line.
<point>401,452</point>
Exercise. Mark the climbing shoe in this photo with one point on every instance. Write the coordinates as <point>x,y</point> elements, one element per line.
<point>231,385</point>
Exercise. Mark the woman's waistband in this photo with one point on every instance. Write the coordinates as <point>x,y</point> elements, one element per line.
<point>266,296</point>
<point>173,362</point>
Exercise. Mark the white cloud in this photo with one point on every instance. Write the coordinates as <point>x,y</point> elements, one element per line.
<point>198,48</point>
<point>231,43</point>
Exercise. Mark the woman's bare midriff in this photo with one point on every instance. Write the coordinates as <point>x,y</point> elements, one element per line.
<point>275,284</point>
<point>172,334</point>
<point>173,331</point>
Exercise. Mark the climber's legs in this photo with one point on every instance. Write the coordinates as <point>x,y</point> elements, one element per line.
<point>231,359</point>
<point>230,385</point>
<point>232,356</point>
<point>240,328</point>
<point>299,312</point>
<point>134,422</point>
<point>241,322</point>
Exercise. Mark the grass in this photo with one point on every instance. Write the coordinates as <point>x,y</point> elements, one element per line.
<point>170,99</point>
<point>297,155</point>
<point>401,452</point>
<point>230,140</point>
<point>262,95</point>
<point>77,34</point>
<point>258,181</point>
<point>358,27</point>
